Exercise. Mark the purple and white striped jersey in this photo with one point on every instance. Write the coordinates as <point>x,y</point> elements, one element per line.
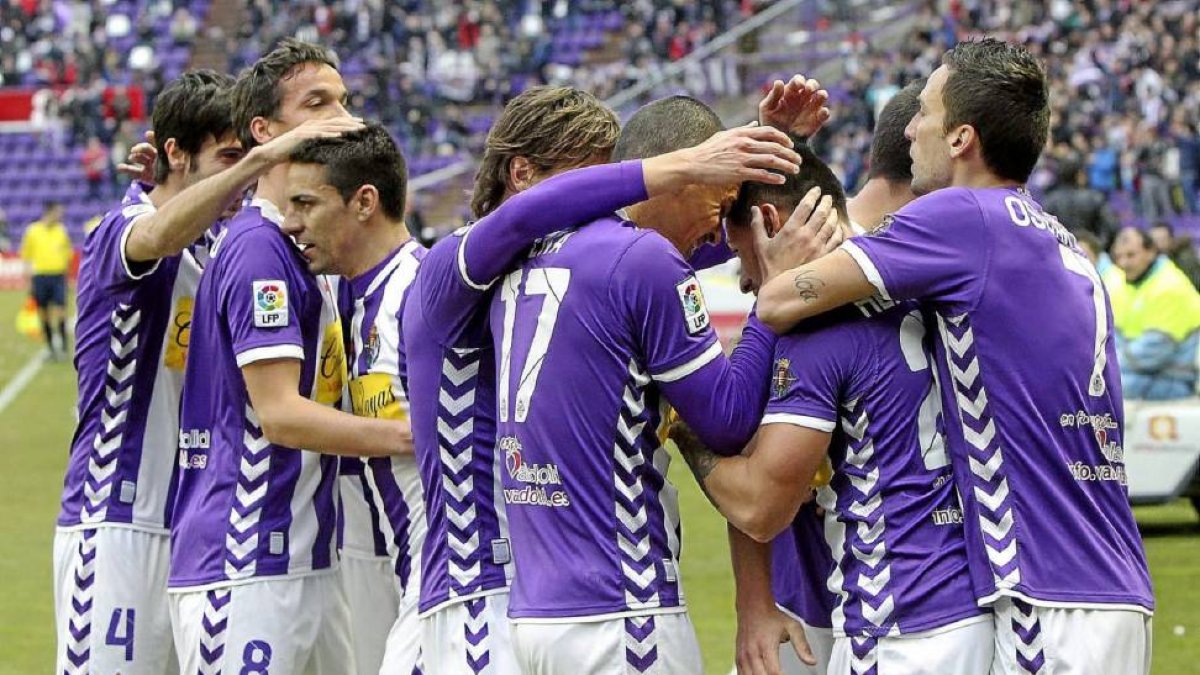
<point>132,344</point>
<point>451,372</point>
<point>377,372</point>
<point>247,508</point>
<point>1032,391</point>
<point>596,329</point>
<point>800,568</point>
<point>892,520</point>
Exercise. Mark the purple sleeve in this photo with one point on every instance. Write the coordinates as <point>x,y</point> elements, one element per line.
<point>711,255</point>
<point>810,374</point>
<point>934,249</point>
<point>107,248</point>
<point>569,199</point>
<point>258,291</point>
<point>721,399</point>
<point>451,296</point>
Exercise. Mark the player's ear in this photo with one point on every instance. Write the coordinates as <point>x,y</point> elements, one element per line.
<point>365,202</point>
<point>260,129</point>
<point>961,140</point>
<point>771,219</point>
<point>521,173</point>
<point>177,159</point>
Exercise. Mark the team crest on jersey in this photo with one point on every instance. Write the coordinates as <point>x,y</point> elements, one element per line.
<point>372,346</point>
<point>270,304</point>
<point>783,377</point>
<point>695,313</point>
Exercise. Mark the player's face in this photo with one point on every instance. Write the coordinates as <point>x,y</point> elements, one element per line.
<point>318,219</point>
<point>312,92</point>
<point>215,155</point>
<point>930,150</point>
<point>695,217</point>
<point>741,241</point>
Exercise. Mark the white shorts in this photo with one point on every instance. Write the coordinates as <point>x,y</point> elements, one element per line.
<point>1033,640</point>
<point>279,625</point>
<point>820,640</point>
<point>662,644</point>
<point>964,648</point>
<point>369,584</point>
<point>469,637</point>
<point>110,601</point>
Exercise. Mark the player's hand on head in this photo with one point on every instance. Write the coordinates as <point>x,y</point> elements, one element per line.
<point>278,149</point>
<point>759,634</point>
<point>797,106</point>
<point>810,232</point>
<point>139,165</point>
<point>751,152</point>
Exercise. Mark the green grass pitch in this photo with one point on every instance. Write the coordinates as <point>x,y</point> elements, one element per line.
<point>36,429</point>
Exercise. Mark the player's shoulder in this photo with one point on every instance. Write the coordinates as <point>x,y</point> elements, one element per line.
<point>959,201</point>
<point>118,218</point>
<point>642,247</point>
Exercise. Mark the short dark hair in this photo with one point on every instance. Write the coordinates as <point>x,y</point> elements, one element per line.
<point>190,109</point>
<point>999,89</point>
<point>813,173</point>
<point>257,92</point>
<point>1166,225</point>
<point>666,125</point>
<point>51,204</point>
<point>1142,236</point>
<point>368,156</point>
<point>889,146</point>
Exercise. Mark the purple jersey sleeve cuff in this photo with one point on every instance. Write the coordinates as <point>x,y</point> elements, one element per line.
<point>691,365</point>
<point>794,419</point>
<point>268,352</point>
<point>136,271</point>
<point>862,257</point>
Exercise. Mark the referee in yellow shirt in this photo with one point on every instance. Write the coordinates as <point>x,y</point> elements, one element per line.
<point>47,248</point>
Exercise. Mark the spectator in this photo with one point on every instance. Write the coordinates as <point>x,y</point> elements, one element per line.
<point>95,166</point>
<point>1157,314</point>
<point>183,26</point>
<point>1079,207</point>
<point>1180,250</point>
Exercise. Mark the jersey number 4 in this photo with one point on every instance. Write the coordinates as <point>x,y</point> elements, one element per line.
<point>551,283</point>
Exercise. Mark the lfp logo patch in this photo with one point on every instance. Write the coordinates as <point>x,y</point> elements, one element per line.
<point>270,304</point>
<point>695,313</point>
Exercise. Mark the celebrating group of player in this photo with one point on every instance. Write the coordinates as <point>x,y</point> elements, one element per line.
<point>493,498</point>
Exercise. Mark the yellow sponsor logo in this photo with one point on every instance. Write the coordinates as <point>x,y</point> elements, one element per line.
<point>372,396</point>
<point>1164,428</point>
<point>331,366</point>
<point>179,333</point>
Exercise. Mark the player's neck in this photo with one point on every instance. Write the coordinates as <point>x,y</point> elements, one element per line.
<point>878,198</point>
<point>165,191</point>
<point>384,238</point>
<point>272,186</point>
<point>972,175</point>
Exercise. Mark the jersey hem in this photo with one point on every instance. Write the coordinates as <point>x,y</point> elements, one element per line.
<point>181,587</point>
<point>363,555</point>
<point>806,421</point>
<point>148,529</point>
<point>594,618</point>
<point>799,619</point>
<point>459,599</point>
<point>1124,603</point>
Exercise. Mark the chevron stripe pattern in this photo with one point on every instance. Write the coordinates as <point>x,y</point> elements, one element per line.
<point>631,475</point>
<point>864,656</point>
<point>79,622</point>
<point>641,650</point>
<point>1028,633</point>
<point>865,540</point>
<point>990,486</point>
<point>456,427</point>
<point>215,624</point>
<point>118,392</point>
<point>475,630</point>
<point>241,539</point>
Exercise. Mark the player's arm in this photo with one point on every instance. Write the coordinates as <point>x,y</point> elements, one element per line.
<point>761,627</point>
<point>934,249</point>
<point>580,196</point>
<point>182,219</point>
<point>760,491</point>
<point>294,421</point>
